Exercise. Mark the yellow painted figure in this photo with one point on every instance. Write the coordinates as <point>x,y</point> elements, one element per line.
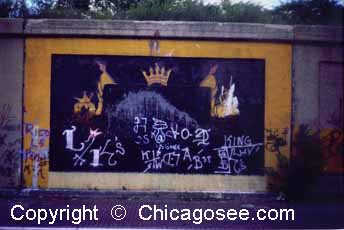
<point>210,81</point>
<point>228,103</point>
<point>84,103</point>
<point>105,79</point>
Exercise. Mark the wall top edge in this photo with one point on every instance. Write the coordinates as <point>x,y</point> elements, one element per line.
<point>11,26</point>
<point>171,29</point>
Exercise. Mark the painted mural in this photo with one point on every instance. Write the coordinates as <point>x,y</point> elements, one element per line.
<point>157,115</point>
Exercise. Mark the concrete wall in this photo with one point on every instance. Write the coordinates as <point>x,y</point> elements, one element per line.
<point>307,59</point>
<point>11,101</point>
<point>313,45</point>
<point>318,81</point>
<point>292,55</point>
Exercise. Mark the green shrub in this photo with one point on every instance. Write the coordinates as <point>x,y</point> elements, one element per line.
<point>293,177</point>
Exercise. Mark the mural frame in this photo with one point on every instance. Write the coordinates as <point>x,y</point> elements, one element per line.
<point>37,110</point>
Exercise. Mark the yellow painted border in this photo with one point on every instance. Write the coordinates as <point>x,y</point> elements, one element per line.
<point>277,104</point>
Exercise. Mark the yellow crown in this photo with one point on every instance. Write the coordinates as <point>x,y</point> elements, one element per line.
<point>84,102</point>
<point>158,75</point>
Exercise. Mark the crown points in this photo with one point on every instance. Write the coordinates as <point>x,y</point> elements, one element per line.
<point>157,76</point>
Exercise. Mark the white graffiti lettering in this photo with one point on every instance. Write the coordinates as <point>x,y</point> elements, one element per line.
<point>69,133</point>
<point>97,153</point>
<point>232,151</point>
<point>169,154</point>
<point>201,137</point>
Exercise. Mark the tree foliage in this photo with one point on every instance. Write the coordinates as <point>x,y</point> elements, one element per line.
<point>5,8</point>
<point>187,10</point>
<point>323,12</point>
<point>245,12</point>
<point>16,9</point>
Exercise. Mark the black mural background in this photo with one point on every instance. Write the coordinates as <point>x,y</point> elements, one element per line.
<point>73,74</point>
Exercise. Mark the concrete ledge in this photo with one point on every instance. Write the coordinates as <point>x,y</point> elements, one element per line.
<point>166,29</point>
<point>318,33</point>
<point>172,29</point>
<point>11,26</point>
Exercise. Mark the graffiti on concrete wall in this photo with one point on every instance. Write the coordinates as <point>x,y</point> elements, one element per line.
<point>10,144</point>
<point>157,115</point>
<point>36,161</point>
<point>6,117</point>
<point>275,140</point>
<point>332,141</point>
<point>331,115</point>
<point>325,145</point>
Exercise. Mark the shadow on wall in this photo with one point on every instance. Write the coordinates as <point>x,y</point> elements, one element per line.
<point>9,147</point>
